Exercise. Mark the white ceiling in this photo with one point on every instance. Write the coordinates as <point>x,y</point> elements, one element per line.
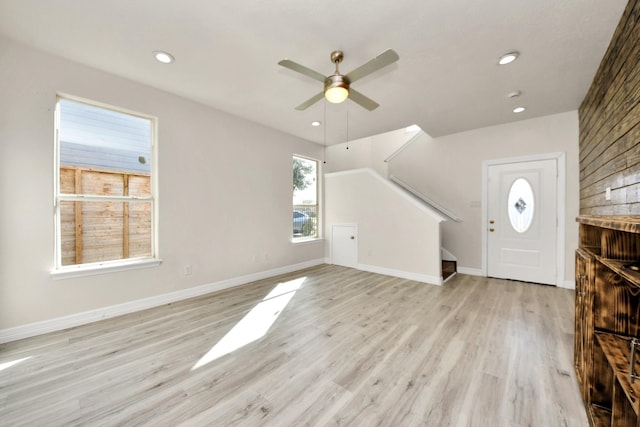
<point>446,80</point>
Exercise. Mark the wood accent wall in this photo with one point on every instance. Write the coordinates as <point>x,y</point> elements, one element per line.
<point>610,125</point>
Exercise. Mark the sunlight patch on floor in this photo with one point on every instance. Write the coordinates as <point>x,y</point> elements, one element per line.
<point>255,324</point>
<point>7,365</point>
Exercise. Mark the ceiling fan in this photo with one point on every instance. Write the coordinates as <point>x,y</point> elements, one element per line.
<point>337,86</point>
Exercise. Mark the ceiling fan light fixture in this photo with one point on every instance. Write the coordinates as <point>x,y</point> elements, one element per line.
<point>336,94</point>
<point>336,88</point>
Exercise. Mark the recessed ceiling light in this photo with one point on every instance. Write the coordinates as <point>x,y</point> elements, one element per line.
<point>518,110</point>
<point>508,58</point>
<point>164,57</point>
<point>316,123</point>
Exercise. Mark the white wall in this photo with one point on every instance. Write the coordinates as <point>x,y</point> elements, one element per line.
<point>396,234</point>
<point>366,152</point>
<point>449,170</point>
<point>224,192</point>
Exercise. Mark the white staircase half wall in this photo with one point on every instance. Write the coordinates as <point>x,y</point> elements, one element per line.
<point>397,234</point>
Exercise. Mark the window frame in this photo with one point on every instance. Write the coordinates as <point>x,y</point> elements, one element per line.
<point>92,268</point>
<point>317,236</point>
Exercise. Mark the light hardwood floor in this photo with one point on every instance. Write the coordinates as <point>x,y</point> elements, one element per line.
<point>349,348</point>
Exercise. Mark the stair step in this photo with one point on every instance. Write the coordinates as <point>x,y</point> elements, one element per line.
<point>448,269</point>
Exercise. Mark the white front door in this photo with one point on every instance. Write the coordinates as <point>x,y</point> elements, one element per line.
<point>344,245</point>
<point>522,221</point>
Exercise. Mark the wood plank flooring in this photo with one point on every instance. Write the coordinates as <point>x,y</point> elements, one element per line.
<point>349,348</point>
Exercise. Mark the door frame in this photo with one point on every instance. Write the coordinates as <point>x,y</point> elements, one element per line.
<point>561,208</point>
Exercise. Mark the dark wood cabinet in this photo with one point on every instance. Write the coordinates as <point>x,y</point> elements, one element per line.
<point>607,319</point>
<point>583,345</point>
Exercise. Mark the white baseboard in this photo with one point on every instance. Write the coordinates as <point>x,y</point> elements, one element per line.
<point>425,278</point>
<point>470,271</point>
<point>64,322</point>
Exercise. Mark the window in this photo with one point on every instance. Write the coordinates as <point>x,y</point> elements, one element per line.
<point>305,198</point>
<point>520,205</point>
<point>105,198</point>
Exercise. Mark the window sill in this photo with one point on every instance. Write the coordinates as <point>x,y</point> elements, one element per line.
<point>103,267</point>
<point>306,241</point>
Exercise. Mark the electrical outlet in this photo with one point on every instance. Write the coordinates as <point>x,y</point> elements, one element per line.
<point>607,193</point>
<point>187,270</point>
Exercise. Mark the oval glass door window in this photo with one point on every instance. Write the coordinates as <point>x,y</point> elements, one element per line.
<point>520,205</point>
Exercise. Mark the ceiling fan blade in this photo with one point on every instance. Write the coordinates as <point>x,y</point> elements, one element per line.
<point>309,102</point>
<point>387,57</point>
<point>362,100</point>
<point>287,63</point>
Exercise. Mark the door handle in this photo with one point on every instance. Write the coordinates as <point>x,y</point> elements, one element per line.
<point>353,237</point>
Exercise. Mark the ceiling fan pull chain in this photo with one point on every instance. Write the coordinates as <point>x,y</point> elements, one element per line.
<point>347,128</point>
<point>324,133</point>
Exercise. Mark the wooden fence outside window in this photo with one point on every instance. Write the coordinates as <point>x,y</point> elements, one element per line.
<point>93,231</point>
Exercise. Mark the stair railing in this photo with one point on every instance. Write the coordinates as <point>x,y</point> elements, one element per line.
<point>446,212</point>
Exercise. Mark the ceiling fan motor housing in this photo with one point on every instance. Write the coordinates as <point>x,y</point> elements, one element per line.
<point>336,80</point>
